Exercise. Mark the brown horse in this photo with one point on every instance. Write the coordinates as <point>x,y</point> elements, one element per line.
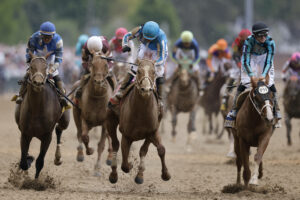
<point>92,109</point>
<point>139,119</point>
<point>38,114</point>
<point>120,69</point>
<point>183,97</point>
<point>253,128</point>
<point>210,102</point>
<point>291,103</point>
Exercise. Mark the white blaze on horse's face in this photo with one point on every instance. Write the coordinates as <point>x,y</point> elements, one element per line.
<point>269,113</point>
<point>145,83</point>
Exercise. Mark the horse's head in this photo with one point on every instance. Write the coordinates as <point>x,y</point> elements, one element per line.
<point>145,76</point>
<point>38,71</point>
<point>185,68</point>
<point>99,71</point>
<point>262,97</point>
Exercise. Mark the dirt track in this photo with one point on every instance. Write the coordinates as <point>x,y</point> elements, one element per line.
<point>200,174</point>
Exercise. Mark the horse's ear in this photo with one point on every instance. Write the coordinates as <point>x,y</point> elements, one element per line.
<point>267,79</point>
<point>31,54</point>
<point>254,82</point>
<point>138,61</point>
<point>48,54</point>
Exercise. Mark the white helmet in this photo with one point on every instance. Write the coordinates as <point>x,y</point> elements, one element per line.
<point>94,44</point>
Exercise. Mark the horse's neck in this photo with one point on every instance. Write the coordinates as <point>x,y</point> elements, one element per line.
<point>139,103</point>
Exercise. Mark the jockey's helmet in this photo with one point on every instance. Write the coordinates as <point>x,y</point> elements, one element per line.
<point>47,28</point>
<point>244,33</point>
<point>94,44</point>
<point>120,32</point>
<point>83,38</point>
<point>222,44</point>
<point>150,30</point>
<point>187,36</point>
<point>295,57</point>
<point>260,28</point>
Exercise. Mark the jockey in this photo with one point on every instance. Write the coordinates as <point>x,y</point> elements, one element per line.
<point>41,43</point>
<point>154,46</point>
<point>218,55</point>
<point>291,67</point>
<point>116,46</point>
<point>93,44</point>
<point>257,59</point>
<point>187,47</point>
<point>234,72</point>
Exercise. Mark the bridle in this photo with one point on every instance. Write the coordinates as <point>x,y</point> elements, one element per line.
<point>139,82</point>
<point>259,111</point>
<point>32,76</point>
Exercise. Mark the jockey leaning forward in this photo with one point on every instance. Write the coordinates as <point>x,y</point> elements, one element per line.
<point>43,42</point>
<point>186,48</point>
<point>153,46</point>
<point>291,67</point>
<point>257,60</point>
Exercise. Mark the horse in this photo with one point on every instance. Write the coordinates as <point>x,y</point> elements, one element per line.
<point>210,102</point>
<point>92,110</point>
<point>253,128</point>
<point>138,119</point>
<point>183,97</point>
<point>38,114</point>
<point>291,103</point>
<point>119,70</point>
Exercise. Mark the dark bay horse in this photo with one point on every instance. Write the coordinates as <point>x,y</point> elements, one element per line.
<point>183,97</point>
<point>92,110</point>
<point>139,119</point>
<point>38,114</point>
<point>254,128</point>
<point>211,103</point>
<point>291,103</point>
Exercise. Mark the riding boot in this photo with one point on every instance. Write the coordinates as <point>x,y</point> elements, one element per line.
<point>59,85</point>
<point>229,84</point>
<point>230,118</point>
<point>115,100</point>
<point>22,91</point>
<point>277,111</point>
<point>160,92</point>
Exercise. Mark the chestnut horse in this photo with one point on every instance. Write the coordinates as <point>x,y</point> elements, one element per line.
<point>38,114</point>
<point>92,111</point>
<point>291,103</point>
<point>253,128</point>
<point>139,119</point>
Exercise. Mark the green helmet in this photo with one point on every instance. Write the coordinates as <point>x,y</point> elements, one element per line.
<point>187,36</point>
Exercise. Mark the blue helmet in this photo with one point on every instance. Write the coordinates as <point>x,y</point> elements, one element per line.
<point>150,30</point>
<point>47,28</point>
<point>83,38</point>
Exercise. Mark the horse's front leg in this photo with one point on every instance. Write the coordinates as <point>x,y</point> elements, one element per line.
<point>156,140</point>
<point>125,146</point>
<point>139,179</point>
<point>262,146</point>
<point>39,164</point>
<point>244,153</point>
<point>26,160</point>
<point>85,137</point>
<point>288,129</point>
<point>101,146</point>
<point>110,150</point>
<point>174,122</point>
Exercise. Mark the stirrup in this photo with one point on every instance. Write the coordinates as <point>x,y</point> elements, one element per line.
<point>223,107</point>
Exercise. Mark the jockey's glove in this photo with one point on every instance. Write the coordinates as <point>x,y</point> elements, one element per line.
<point>126,49</point>
<point>53,68</point>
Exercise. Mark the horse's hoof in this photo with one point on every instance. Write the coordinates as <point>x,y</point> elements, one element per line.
<point>29,159</point>
<point>57,162</point>
<point>166,176</point>
<point>80,158</point>
<point>126,169</point>
<point>97,174</point>
<point>113,178</point>
<point>253,181</point>
<point>108,162</point>
<point>139,180</point>
<point>231,155</point>
<point>89,151</point>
